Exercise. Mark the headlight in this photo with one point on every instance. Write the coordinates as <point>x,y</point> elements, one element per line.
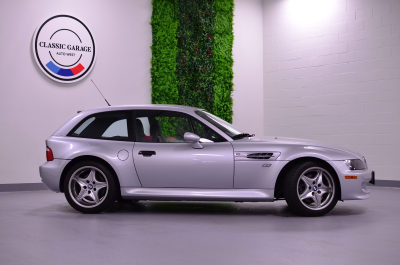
<point>354,164</point>
<point>365,161</point>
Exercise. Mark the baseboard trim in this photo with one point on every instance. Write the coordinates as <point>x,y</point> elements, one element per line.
<point>386,183</point>
<point>41,186</point>
<point>22,187</point>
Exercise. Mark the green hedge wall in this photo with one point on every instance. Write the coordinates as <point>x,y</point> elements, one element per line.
<point>194,59</point>
<point>192,54</point>
<point>223,62</point>
<point>164,49</point>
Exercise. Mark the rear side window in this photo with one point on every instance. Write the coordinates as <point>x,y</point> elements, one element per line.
<point>106,125</point>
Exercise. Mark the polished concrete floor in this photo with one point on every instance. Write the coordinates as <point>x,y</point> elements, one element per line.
<point>41,228</point>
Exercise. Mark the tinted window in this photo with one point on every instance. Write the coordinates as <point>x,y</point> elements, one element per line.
<point>107,125</point>
<point>118,128</point>
<point>205,132</point>
<point>219,123</point>
<point>161,126</point>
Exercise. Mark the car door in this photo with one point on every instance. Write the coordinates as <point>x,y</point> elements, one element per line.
<point>164,160</point>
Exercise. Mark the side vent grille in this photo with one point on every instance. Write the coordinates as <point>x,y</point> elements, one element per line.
<point>264,156</point>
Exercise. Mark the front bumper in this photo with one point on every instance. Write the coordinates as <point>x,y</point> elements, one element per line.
<point>51,171</point>
<point>372,181</point>
<point>353,182</point>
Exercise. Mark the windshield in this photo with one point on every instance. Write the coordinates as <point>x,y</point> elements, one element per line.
<point>220,124</point>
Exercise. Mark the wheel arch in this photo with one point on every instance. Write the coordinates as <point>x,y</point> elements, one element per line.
<point>280,181</point>
<point>89,158</point>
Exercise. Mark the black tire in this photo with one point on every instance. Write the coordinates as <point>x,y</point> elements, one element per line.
<point>78,181</point>
<point>311,189</point>
<point>127,200</point>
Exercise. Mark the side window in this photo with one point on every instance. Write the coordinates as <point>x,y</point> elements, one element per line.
<point>161,126</point>
<point>106,125</point>
<point>117,129</point>
<point>205,132</point>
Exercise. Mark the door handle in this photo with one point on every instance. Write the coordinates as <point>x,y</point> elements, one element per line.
<point>147,153</point>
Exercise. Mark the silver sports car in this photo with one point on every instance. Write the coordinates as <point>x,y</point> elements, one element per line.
<point>167,152</point>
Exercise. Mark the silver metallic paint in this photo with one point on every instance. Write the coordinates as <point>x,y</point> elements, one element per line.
<point>194,139</point>
<point>352,189</point>
<point>246,175</point>
<point>68,148</point>
<point>51,171</point>
<point>179,165</point>
<point>252,174</point>
<point>252,195</point>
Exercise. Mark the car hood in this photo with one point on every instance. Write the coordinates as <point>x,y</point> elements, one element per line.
<point>297,141</point>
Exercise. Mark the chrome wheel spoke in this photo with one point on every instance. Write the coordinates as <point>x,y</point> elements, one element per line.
<point>97,180</point>
<point>95,196</point>
<point>100,185</point>
<point>81,194</point>
<point>317,200</point>
<point>318,179</point>
<point>79,181</point>
<point>324,189</point>
<point>92,176</point>
<point>307,181</point>
<point>307,194</point>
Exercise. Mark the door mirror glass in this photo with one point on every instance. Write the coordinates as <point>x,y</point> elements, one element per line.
<point>194,139</point>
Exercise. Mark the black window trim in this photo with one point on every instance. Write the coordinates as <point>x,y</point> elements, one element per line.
<point>188,116</point>
<point>159,110</point>
<point>205,125</point>
<point>131,134</point>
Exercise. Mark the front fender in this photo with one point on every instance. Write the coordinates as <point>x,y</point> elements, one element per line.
<point>324,153</point>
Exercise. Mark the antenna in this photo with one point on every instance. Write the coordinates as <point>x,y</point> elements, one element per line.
<point>100,92</point>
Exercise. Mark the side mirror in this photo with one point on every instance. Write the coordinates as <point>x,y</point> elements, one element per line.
<point>194,139</point>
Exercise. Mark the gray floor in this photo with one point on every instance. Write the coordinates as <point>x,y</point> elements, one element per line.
<point>41,228</point>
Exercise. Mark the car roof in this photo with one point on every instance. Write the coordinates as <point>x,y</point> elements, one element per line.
<point>63,130</point>
<point>144,106</point>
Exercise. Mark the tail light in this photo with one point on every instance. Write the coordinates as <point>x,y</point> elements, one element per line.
<point>49,154</point>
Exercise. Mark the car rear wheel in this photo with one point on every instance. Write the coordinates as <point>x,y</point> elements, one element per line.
<point>90,187</point>
<point>311,189</point>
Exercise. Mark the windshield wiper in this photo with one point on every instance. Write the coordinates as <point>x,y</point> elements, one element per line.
<point>242,135</point>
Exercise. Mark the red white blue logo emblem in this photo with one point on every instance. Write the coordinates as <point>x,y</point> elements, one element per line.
<point>64,48</point>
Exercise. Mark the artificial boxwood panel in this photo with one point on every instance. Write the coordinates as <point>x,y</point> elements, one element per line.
<point>223,62</point>
<point>194,59</point>
<point>200,35</point>
<point>164,49</point>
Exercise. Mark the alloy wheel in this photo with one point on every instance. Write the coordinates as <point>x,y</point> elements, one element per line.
<point>88,186</point>
<point>315,188</point>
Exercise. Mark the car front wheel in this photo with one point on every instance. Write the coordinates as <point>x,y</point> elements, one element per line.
<point>311,189</point>
<point>90,187</point>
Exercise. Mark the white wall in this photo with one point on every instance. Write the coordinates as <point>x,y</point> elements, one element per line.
<point>331,72</point>
<point>248,65</point>
<point>32,106</point>
<point>327,70</point>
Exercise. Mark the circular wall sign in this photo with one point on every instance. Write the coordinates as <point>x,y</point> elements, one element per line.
<point>64,48</point>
